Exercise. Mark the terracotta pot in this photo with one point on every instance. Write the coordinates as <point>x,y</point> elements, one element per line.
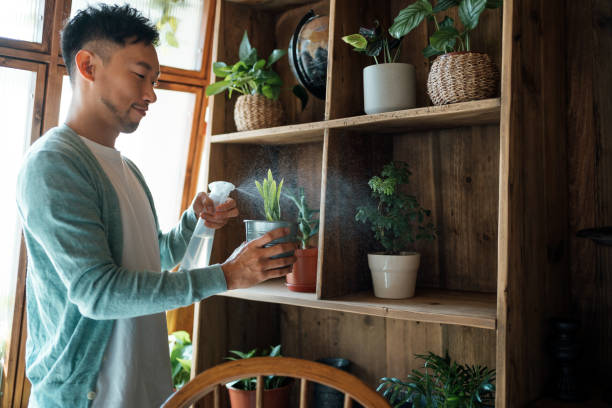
<point>274,398</point>
<point>303,276</point>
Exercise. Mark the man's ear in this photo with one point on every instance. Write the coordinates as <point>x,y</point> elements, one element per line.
<point>86,64</point>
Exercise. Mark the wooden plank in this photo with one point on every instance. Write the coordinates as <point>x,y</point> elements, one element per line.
<point>433,117</point>
<point>429,305</point>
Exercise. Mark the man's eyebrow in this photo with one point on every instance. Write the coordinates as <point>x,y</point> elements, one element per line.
<point>146,66</point>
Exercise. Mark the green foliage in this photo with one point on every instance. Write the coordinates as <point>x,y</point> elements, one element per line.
<point>308,224</point>
<point>270,381</point>
<point>447,37</point>
<point>398,219</point>
<point>167,24</point>
<point>443,384</point>
<point>373,41</point>
<point>271,196</point>
<point>252,75</point>
<point>181,353</point>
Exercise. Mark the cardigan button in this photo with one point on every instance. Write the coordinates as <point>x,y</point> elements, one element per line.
<point>91,395</point>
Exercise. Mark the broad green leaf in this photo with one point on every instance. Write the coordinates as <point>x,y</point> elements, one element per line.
<point>251,57</point>
<point>221,69</point>
<point>171,39</point>
<point>275,56</point>
<point>259,65</point>
<point>444,38</point>
<point>356,40</point>
<point>185,364</point>
<point>181,337</point>
<point>245,47</point>
<point>409,18</point>
<point>447,22</point>
<point>443,5</point>
<point>217,87</point>
<point>469,12</point>
<point>240,66</point>
<point>301,93</point>
<point>270,91</point>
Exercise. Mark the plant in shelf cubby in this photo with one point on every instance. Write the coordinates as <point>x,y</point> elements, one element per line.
<point>445,383</point>
<point>258,106</point>
<point>270,193</point>
<point>303,277</point>
<point>397,220</point>
<point>457,74</point>
<point>387,86</point>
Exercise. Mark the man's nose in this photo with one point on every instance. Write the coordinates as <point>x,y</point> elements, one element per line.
<point>150,95</point>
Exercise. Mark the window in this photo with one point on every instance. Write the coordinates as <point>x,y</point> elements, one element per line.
<point>24,21</point>
<point>159,147</point>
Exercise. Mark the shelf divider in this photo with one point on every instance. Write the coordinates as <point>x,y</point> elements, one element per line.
<point>429,305</point>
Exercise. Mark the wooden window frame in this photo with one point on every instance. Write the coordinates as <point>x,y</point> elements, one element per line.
<point>45,58</point>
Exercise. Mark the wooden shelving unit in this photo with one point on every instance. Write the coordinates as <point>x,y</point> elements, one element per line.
<point>431,305</point>
<point>491,171</point>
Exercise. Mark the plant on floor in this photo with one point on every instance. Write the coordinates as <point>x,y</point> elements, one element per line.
<point>397,219</point>
<point>251,75</point>
<point>374,40</point>
<point>444,383</point>
<point>271,196</point>
<point>181,352</point>
<point>447,37</point>
<point>308,224</point>
<point>270,381</point>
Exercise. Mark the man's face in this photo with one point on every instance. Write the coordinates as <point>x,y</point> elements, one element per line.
<point>125,84</point>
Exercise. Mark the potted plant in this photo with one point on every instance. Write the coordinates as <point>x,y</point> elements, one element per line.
<point>258,106</point>
<point>444,383</point>
<point>276,389</point>
<point>181,352</point>
<point>387,85</point>
<point>303,277</point>
<point>457,74</point>
<point>397,220</point>
<point>270,193</point>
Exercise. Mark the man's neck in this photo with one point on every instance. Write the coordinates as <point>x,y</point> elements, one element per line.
<point>91,127</point>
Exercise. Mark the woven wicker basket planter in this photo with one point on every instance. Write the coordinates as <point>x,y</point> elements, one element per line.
<point>257,112</point>
<point>462,76</point>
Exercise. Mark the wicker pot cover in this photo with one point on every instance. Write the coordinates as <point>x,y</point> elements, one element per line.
<point>257,111</point>
<point>461,77</point>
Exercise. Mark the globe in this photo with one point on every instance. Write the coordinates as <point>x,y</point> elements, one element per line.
<point>308,53</point>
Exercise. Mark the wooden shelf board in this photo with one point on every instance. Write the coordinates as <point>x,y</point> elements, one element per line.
<point>481,112</point>
<point>429,305</point>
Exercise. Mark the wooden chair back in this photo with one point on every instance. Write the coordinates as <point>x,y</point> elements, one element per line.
<point>306,371</point>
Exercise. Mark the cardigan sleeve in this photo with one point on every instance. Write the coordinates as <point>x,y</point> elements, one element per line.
<point>59,209</point>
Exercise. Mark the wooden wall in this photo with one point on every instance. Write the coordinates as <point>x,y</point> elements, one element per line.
<point>589,86</point>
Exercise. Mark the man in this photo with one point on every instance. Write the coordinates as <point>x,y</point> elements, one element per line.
<point>96,292</point>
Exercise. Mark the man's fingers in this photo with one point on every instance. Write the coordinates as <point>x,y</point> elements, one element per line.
<point>278,272</point>
<point>227,205</point>
<point>280,249</point>
<point>271,236</point>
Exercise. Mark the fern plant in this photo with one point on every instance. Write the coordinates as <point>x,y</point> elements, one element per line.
<point>443,384</point>
<point>270,381</point>
<point>271,196</point>
<point>308,224</point>
<point>397,219</point>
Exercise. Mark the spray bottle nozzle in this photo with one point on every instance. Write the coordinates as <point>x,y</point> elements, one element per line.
<point>220,190</point>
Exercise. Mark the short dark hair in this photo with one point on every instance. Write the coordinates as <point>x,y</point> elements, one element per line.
<point>105,22</point>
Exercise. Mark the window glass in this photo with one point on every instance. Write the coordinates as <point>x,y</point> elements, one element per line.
<point>23,20</point>
<point>159,147</point>
<point>180,26</point>
<point>16,107</point>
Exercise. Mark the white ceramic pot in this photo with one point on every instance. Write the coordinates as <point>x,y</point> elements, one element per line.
<point>388,87</point>
<point>394,276</point>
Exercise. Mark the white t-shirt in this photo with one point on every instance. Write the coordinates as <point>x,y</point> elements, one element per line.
<point>136,369</point>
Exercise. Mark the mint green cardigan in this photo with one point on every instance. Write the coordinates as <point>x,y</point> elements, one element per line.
<point>75,287</point>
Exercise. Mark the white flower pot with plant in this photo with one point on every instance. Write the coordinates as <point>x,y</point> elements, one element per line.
<point>259,84</point>
<point>387,86</point>
<point>398,221</point>
<point>457,74</point>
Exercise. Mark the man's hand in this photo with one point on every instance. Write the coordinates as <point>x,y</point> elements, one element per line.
<point>250,263</point>
<point>213,217</point>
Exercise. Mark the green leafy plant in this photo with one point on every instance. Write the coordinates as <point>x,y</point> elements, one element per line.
<point>270,381</point>
<point>167,24</point>
<point>251,75</point>
<point>398,219</point>
<point>181,352</point>
<point>447,37</point>
<point>307,221</point>
<point>271,196</point>
<point>443,384</point>
<point>372,41</point>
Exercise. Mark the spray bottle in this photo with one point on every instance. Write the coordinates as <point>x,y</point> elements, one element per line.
<point>198,251</point>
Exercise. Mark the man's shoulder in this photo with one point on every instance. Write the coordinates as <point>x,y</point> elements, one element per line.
<point>60,138</point>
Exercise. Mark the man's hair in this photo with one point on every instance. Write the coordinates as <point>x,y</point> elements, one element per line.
<point>105,23</point>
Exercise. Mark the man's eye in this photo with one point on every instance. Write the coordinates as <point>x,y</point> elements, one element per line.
<point>139,75</point>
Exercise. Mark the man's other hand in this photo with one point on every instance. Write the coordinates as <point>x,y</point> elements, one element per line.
<point>213,217</point>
